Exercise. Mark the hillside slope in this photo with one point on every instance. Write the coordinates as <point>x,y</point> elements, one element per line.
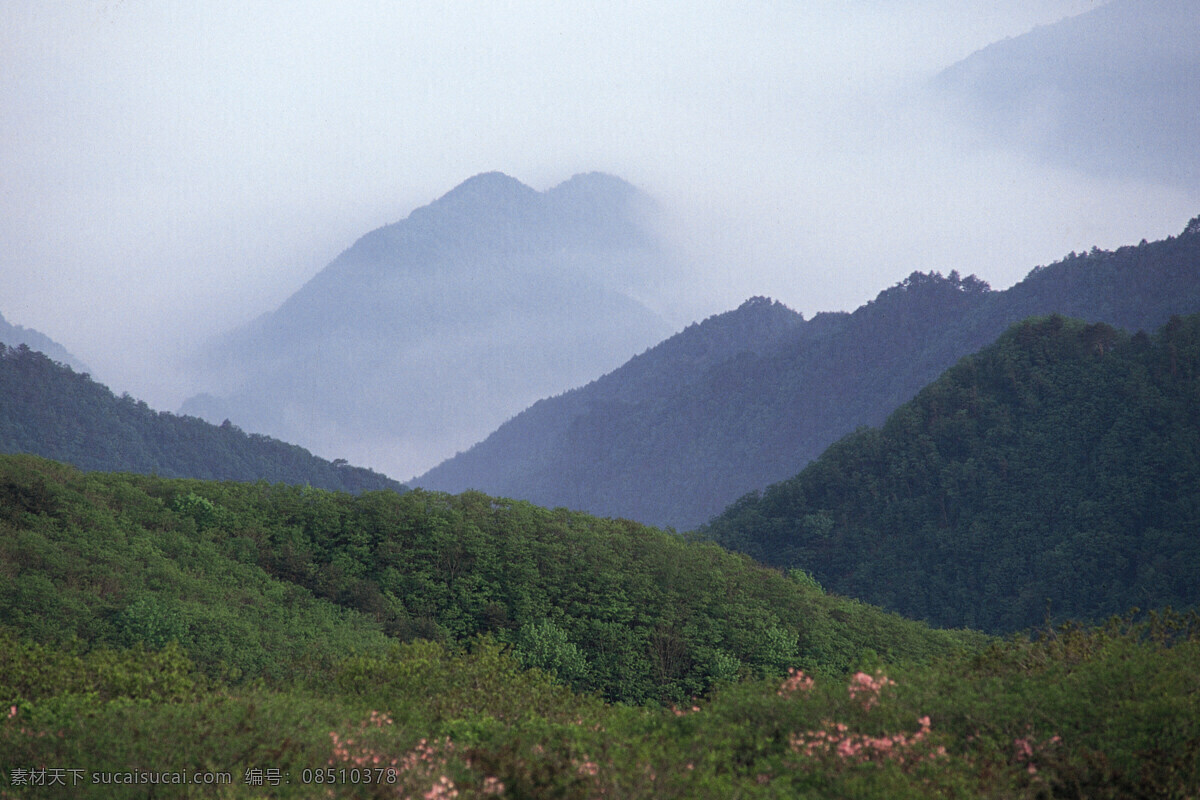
<point>634,613</point>
<point>1058,468</point>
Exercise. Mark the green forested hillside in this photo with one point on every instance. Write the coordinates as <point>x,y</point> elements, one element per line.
<point>49,410</point>
<point>1059,468</point>
<point>230,570</point>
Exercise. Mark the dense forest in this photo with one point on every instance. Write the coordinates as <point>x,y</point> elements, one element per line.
<point>748,398</point>
<point>183,638</point>
<point>1055,470</point>
<point>49,410</point>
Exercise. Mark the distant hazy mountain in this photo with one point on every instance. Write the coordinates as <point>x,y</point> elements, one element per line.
<point>50,411</point>
<point>15,335</point>
<point>749,397</point>
<point>428,333</point>
<point>1059,465</point>
<point>1114,91</point>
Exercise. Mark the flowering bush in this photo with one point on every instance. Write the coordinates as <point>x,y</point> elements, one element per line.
<point>833,745</point>
<point>865,689</point>
<point>834,739</point>
<point>1026,747</point>
<point>425,771</point>
<point>796,681</point>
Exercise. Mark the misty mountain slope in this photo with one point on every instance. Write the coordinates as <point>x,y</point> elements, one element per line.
<point>16,335</point>
<point>528,443</point>
<point>1112,92</point>
<point>679,454</point>
<point>48,410</point>
<point>1060,464</point>
<point>428,333</point>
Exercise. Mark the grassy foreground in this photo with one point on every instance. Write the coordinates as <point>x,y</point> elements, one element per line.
<point>1107,712</point>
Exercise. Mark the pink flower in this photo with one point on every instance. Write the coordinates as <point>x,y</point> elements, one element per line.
<point>443,788</point>
<point>868,688</point>
<point>1023,748</point>
<point>836,740</point>
<point>796,681</point>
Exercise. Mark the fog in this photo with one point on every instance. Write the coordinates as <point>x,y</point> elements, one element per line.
<point>173,170</point>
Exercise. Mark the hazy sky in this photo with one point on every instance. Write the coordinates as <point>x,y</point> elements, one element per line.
<point>170,169</point>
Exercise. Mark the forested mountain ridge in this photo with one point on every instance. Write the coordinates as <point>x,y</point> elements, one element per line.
<point>17,335</point>
<point>677,452</point>
<point>48,410</point>
<point>1058,466</point>
<point>427,333</point>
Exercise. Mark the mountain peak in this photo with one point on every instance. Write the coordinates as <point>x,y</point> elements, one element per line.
<point>934,284</point>
<point>591,192</point>
<point>594,183</point>
<point>758,301</point>
<point>488,188</point>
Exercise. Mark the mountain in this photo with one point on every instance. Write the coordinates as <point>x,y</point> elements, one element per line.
<point>774,390</point>
<point>1111,92</point>
<point>16,335</point>
<point>48,410</point>
<point>1057,469</point>
<point>534,455</point>
<point>429,332</point>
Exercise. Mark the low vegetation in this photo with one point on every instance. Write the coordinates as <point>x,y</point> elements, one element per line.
<point>1109,712</point>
